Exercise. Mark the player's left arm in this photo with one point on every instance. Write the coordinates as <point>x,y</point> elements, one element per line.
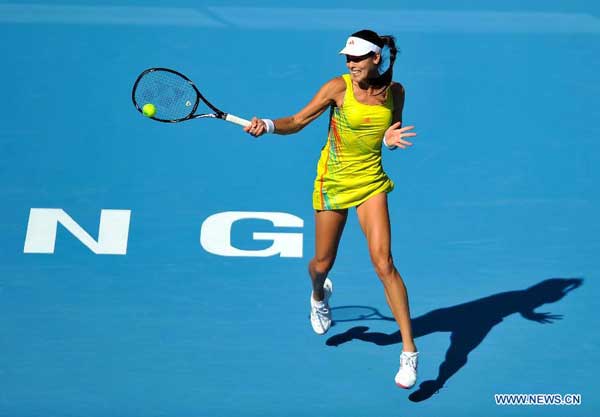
<point>395,135</point>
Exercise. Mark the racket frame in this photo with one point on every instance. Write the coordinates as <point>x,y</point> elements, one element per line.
<point>218,114</point>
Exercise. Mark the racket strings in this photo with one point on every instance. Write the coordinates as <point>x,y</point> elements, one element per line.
<point>172,95</point>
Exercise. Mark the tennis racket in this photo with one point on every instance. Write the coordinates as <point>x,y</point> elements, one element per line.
<point>175,98</point>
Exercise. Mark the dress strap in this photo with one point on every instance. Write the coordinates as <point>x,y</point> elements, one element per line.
<point>349,95</point>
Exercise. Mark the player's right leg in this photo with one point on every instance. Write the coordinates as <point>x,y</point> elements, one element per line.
<point>329,225</point>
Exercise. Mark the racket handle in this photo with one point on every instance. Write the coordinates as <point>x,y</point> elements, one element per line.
<point>237,120</point>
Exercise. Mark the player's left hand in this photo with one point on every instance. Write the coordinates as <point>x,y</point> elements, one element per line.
<point>395,135</point>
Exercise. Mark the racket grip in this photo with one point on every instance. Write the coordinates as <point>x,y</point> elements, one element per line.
<point>237,120</point>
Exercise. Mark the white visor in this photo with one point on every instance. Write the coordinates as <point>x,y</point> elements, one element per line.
<point>359,47</point>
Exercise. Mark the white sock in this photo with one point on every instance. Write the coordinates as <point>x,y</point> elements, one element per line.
<point>318,303</point>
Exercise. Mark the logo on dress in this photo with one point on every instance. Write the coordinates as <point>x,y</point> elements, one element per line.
<point>367,120</point>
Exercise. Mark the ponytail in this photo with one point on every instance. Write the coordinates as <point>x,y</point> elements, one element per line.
<point>389,41</point>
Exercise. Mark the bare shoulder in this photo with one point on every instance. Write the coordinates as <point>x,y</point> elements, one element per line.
<point>335,85</point>
<point>334,90</point>
<point>397,89</point>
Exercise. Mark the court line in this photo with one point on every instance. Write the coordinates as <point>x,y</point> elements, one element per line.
<point>422,21</point>
<point>519,202</point>
<point>113,15</point>
<point>428,21</point>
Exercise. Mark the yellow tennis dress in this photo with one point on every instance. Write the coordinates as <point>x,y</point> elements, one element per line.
<point>349,170</point>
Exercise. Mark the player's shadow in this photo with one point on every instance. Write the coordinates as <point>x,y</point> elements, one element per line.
<point>468,324</point>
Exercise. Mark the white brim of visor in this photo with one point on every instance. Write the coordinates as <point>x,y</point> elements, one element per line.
<point>359,47</point>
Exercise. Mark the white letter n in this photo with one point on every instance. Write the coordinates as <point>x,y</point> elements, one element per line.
<point>112,235</point>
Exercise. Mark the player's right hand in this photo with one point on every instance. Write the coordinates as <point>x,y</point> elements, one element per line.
<point>256,127</point>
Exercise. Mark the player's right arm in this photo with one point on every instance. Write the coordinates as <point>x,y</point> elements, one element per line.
<point>330,93</point>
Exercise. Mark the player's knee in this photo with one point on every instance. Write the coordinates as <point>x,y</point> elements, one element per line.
<point>384,267</point>
<point>321,266</point>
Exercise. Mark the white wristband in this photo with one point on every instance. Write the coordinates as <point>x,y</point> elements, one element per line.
<point>270,125</point>
<point>391,148</point>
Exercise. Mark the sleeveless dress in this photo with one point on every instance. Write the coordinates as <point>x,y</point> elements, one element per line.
<point>349,170</point>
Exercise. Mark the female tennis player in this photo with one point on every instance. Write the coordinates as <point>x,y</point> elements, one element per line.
<point>366,111</point>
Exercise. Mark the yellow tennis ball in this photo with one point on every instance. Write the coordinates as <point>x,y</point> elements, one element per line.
<point>149,109</point>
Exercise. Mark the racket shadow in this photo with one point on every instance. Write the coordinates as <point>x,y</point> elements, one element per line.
<point>468,325</point>
<point>346,314</point>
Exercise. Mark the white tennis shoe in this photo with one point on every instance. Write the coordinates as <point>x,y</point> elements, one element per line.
<point>407,374</point>
<point>320,313</point>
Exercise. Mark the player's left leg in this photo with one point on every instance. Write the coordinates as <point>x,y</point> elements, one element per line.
<point>373,216</point>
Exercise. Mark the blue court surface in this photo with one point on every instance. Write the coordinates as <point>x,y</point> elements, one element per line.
<point>152,269</point>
